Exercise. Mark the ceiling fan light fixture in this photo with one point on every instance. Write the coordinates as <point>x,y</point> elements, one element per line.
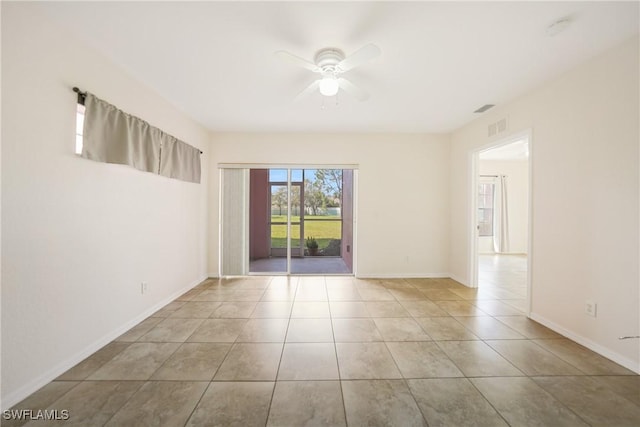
<point>329,86</point>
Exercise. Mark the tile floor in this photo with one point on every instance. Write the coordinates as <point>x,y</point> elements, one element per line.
<point>294,351</point>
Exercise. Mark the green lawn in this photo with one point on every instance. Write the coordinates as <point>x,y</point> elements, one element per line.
<point>322,231</point>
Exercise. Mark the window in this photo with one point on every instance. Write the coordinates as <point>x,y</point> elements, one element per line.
<point>79,127</point>
<point>486,193</point>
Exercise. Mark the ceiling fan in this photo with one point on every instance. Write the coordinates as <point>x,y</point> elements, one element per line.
<point>330,63</point>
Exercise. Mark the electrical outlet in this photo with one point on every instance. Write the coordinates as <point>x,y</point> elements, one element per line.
<point>143,287</point>
<point>590,308</point>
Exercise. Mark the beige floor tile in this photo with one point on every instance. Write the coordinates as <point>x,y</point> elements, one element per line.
<point>627,386</point>
<point>308,361</point>
<point>422,360</point>
<point>283,282</point>
<point>279,295</point>
<point>92,363</point>
<point>477,359</point>
<point>532,359</point>
<point>343,293</point>
<point>310,330</point>
<point>209,295</point>
<point>91,403</point>
<point>527,327</point>
<point>368,284</point>
<point>168,309</point>
<point>488,328</point>
<point>160,403</point>
<point>193,362</point>
<point>422,283</point>
<point>348,309</point>
<point>272,310</point>
<point>400,329</point>
<point>171,330</point>
<point>355,330</point>
<point>218,330</point>
<point>140,329</point>
<point>441,295</point>
<point>410,294</point>
<point>366,361</point>
<point>42,399</point>
<point>375,294</point>
<point>593,402</point>
<point>234,310</point>
<point>460,308</point>
<point>395,284</point>
<point>380,403</point>
<point>466,293</point>
<point>423,308</point>
<point>582,358</point>
<point>309,309</point>
<point>252,283</point>
<point>264,330</point>
<point>250,362</point>
<point>386,309</point>
<point>137,362</point>
<point>247,295</point>
<point>189,295</point>
<point>453,402</point>
<point>521,402</point>
<point>307,403</point>
<point>445,328</point>
<point>195,310</point>
<point>226,404</point>
<point>308,291</point>
<point>497,308</point>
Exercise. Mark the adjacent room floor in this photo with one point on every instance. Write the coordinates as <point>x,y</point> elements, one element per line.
<point>312,350</point>
<point>504,277</point>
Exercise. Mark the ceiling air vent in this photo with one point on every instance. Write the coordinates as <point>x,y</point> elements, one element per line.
<point>484,108</point>
<point>497,127</point>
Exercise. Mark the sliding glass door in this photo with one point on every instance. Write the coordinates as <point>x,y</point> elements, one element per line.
<point>296,221</point>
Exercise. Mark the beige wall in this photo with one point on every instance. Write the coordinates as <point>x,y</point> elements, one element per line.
<point>79,236</point>
<point>585,199</point>
<point>401,199</point>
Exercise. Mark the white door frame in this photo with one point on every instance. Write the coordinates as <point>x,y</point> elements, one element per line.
<point>474,178</point>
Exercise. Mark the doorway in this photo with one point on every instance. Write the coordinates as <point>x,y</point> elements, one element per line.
<point>500,255</point>
<point>301,221</point>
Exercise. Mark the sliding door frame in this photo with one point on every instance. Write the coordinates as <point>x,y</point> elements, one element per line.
<point>289,167</point>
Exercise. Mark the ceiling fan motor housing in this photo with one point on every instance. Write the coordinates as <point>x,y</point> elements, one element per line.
<point>328,59</point>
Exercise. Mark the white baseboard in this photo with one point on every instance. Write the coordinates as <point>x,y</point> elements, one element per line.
<point>53,373</point>
<point>403,276</point>
<point>602,351</point>
<point>462,281</point>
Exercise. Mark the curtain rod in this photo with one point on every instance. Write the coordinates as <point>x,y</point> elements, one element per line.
<point>83,95</point>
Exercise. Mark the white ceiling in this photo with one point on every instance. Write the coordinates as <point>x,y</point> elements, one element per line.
<point>440,60</point>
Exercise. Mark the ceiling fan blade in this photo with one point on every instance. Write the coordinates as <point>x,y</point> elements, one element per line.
<point>296,60</point>
<point>353,90</point>
<point>359,57</point>
<point>313,87</point>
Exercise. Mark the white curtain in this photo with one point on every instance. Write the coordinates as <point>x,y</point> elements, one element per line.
<point>234,250</point>
<point>113,136</point>
<point>501,217</point>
